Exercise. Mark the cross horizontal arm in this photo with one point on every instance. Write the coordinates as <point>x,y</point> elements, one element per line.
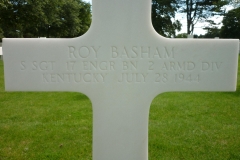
<point>157,65</point>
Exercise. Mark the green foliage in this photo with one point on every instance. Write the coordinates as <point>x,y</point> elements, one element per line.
<point>212,32</point>
<point>45,18</point>
<point>51,125</point>
<point>1,34</point>
<point>231,24</point>
<point>162,13</point>
<point>234,3</point>
<point>182,35</point>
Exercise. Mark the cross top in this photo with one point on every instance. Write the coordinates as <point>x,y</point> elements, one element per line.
<point>115,17</point>
<point>121,64</point>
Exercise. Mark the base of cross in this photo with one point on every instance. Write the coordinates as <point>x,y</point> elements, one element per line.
<point>120,129</point>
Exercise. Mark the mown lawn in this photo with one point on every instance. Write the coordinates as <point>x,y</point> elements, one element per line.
<point>50,125</point>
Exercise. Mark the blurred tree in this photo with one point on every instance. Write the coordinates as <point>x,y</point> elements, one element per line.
<point>182,35</point>
<point>45,18</point>
<point>200,10</point>
<point>234,3</point>
<point>163,12</point>
<point>212,32</point>
<point>1,35</point>
<point>231,24</point>
<point>1,31</point>
<point>9,20</point>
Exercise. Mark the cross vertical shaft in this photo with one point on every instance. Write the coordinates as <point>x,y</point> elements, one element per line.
<point>121,131</point>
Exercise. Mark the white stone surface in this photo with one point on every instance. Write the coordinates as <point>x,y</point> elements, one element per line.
<point>1,55</point>
<point>121,64</point>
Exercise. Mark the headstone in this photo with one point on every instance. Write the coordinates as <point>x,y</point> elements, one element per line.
<point>121,64</point>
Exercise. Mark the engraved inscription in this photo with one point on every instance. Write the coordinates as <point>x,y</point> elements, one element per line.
<point>74,77</point>
<point>181,77</point>
<point>70,65</point>
<point>172,66</point>
<point>131,65</point>
<point>83,51</point>
<point>211,66</point>
<point>161,77</point>
<point>142,52</point>
<point>38,65</point>
<point>100,66</point>
<point>23,65</point>
<point>125,64</point>
<point>133,77</point>
<point>43,65</point>
<point>150,65</point>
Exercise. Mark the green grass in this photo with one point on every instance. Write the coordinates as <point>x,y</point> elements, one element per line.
<point>182,126</point>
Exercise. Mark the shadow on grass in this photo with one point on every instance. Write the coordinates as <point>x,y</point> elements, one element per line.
<point>236,93</point>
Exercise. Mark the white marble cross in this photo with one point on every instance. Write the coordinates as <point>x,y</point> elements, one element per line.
<point>121,64</point>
